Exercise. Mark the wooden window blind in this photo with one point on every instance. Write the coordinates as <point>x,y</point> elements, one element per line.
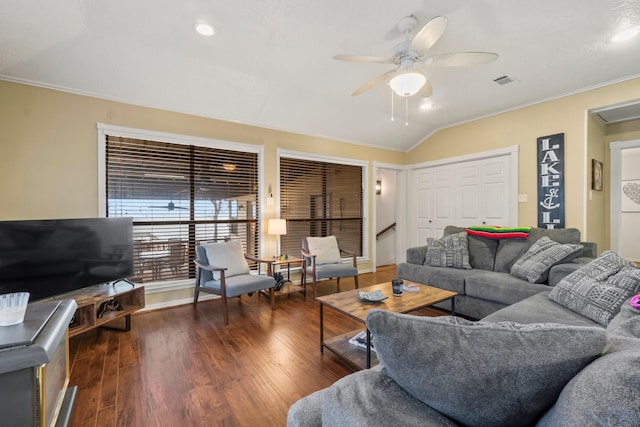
<point>180,196</point>
<point>321,199</point>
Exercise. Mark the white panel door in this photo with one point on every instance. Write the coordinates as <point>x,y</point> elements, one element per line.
<point>472,192</point>
<point>423,179</point>
<point>443,200</point>
<point>495,192</point>
<point>468,193</point>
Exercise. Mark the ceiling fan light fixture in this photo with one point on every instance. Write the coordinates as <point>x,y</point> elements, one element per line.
<point>204,29</point>
<point>407,84</point>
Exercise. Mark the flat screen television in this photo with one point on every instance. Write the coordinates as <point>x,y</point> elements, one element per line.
<point>52,257</point>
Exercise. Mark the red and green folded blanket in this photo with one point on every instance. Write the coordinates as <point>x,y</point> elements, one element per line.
<point>492,232</point>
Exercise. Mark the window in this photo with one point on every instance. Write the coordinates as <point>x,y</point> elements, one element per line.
<point>321,198</point>
<point>180,195</point>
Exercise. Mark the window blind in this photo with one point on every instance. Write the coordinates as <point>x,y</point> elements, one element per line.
<point>180,196</point>
<point>321,199</point>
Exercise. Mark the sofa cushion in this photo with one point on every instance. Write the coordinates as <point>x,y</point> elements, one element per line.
<point>607,392</point>
<point>307,411</point>
<point>449,251</point>
<point>491,361</point>
<point>543,254</point>
<point>598,289</point>
<point>371,398</point>
<point>500,287</point>
<point>325,249</point>
<point>482,251</point>
<point>560,235</point>
<point>539,309</point>
<point>451,279</point>
<point>509,250</point>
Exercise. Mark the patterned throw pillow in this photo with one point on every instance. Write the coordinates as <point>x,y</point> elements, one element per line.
<point>535,264</point>
<point>597,292</point>
<point>449,251</point>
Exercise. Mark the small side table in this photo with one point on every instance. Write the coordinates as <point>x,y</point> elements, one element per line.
<point>273,262</point>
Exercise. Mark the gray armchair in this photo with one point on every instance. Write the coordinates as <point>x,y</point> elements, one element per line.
<point>323,260</point>
<point>222,269</point>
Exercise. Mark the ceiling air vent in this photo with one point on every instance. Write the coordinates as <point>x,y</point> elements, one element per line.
<point>504,80</point>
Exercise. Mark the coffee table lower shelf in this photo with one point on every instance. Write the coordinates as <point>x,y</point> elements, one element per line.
<point>352,355</point>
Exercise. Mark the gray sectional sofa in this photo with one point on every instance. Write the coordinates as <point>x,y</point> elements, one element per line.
<point>488,285</point>
<point>567,356</point>
<point>448,371</point>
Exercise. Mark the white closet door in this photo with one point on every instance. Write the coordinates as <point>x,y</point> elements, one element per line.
<point>473,192</point>
<point>495,192</point>
<point>468,193</point>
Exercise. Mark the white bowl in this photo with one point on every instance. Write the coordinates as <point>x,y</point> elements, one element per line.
<point>13,307</point>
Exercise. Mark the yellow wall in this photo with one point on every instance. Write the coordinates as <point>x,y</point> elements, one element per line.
<point>49,156</point>
<point>596,200</point>
<point>48,148</point>
<point>523,126</point>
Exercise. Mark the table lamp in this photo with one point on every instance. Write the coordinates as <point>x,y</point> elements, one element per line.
<point>277,227</point>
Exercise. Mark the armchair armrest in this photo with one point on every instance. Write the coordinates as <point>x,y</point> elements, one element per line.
<point>351,254</point>
<point>309,258</point>
<point>209,267</point>
<point>223,282</point>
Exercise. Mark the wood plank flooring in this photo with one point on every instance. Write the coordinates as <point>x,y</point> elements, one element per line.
<point>182,367</point>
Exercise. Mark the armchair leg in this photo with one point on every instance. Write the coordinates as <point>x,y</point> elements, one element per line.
<point>356,280</point>
<point>338,282</point>
<point>195,296</point>
<point>225,308</point>
<point>272,295</point>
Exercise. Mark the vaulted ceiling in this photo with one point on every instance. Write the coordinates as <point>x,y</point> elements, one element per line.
<point>270,62</point>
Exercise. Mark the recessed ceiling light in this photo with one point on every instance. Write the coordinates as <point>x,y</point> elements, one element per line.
<point>204,29</point>
<point>627,34</point>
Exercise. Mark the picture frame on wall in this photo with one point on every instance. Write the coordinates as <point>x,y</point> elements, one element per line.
<point>597,173</point>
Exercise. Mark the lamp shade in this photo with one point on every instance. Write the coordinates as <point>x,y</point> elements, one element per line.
<point>277,226</point>
<point>407,84</point>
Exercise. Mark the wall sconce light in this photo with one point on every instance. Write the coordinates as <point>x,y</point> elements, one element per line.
<point>378,187</point>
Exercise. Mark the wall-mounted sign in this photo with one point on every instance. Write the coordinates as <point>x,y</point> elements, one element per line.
<point>551,181</point>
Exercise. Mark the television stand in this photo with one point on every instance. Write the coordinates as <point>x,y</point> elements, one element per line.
<point>123,296</point>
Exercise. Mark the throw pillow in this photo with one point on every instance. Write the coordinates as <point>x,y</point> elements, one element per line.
<point>325,248</point>
<point>605,393</point>
<point>482,373</point>
<point>482,251</point>
<point>597,292</point>
<point>449,251</point>
<point>535,264</point>
<point>227,254</point>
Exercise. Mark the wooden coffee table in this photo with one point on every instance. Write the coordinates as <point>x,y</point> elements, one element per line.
<point>351,306</point>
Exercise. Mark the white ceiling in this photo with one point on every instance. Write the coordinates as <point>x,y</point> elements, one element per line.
<point>270,62</point>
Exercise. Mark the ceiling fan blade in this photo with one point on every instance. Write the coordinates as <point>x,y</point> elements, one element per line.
<point>371,83</point>
<point>427,90</point>
<point>461,59</point>
<point>362,58</point>
<point>428,35</point>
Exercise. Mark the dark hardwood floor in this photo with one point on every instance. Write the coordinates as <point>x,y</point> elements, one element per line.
<point>182,367</point>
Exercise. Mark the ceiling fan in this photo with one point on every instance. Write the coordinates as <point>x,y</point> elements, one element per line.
<point>169,206</point>
<point>406,78</point>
